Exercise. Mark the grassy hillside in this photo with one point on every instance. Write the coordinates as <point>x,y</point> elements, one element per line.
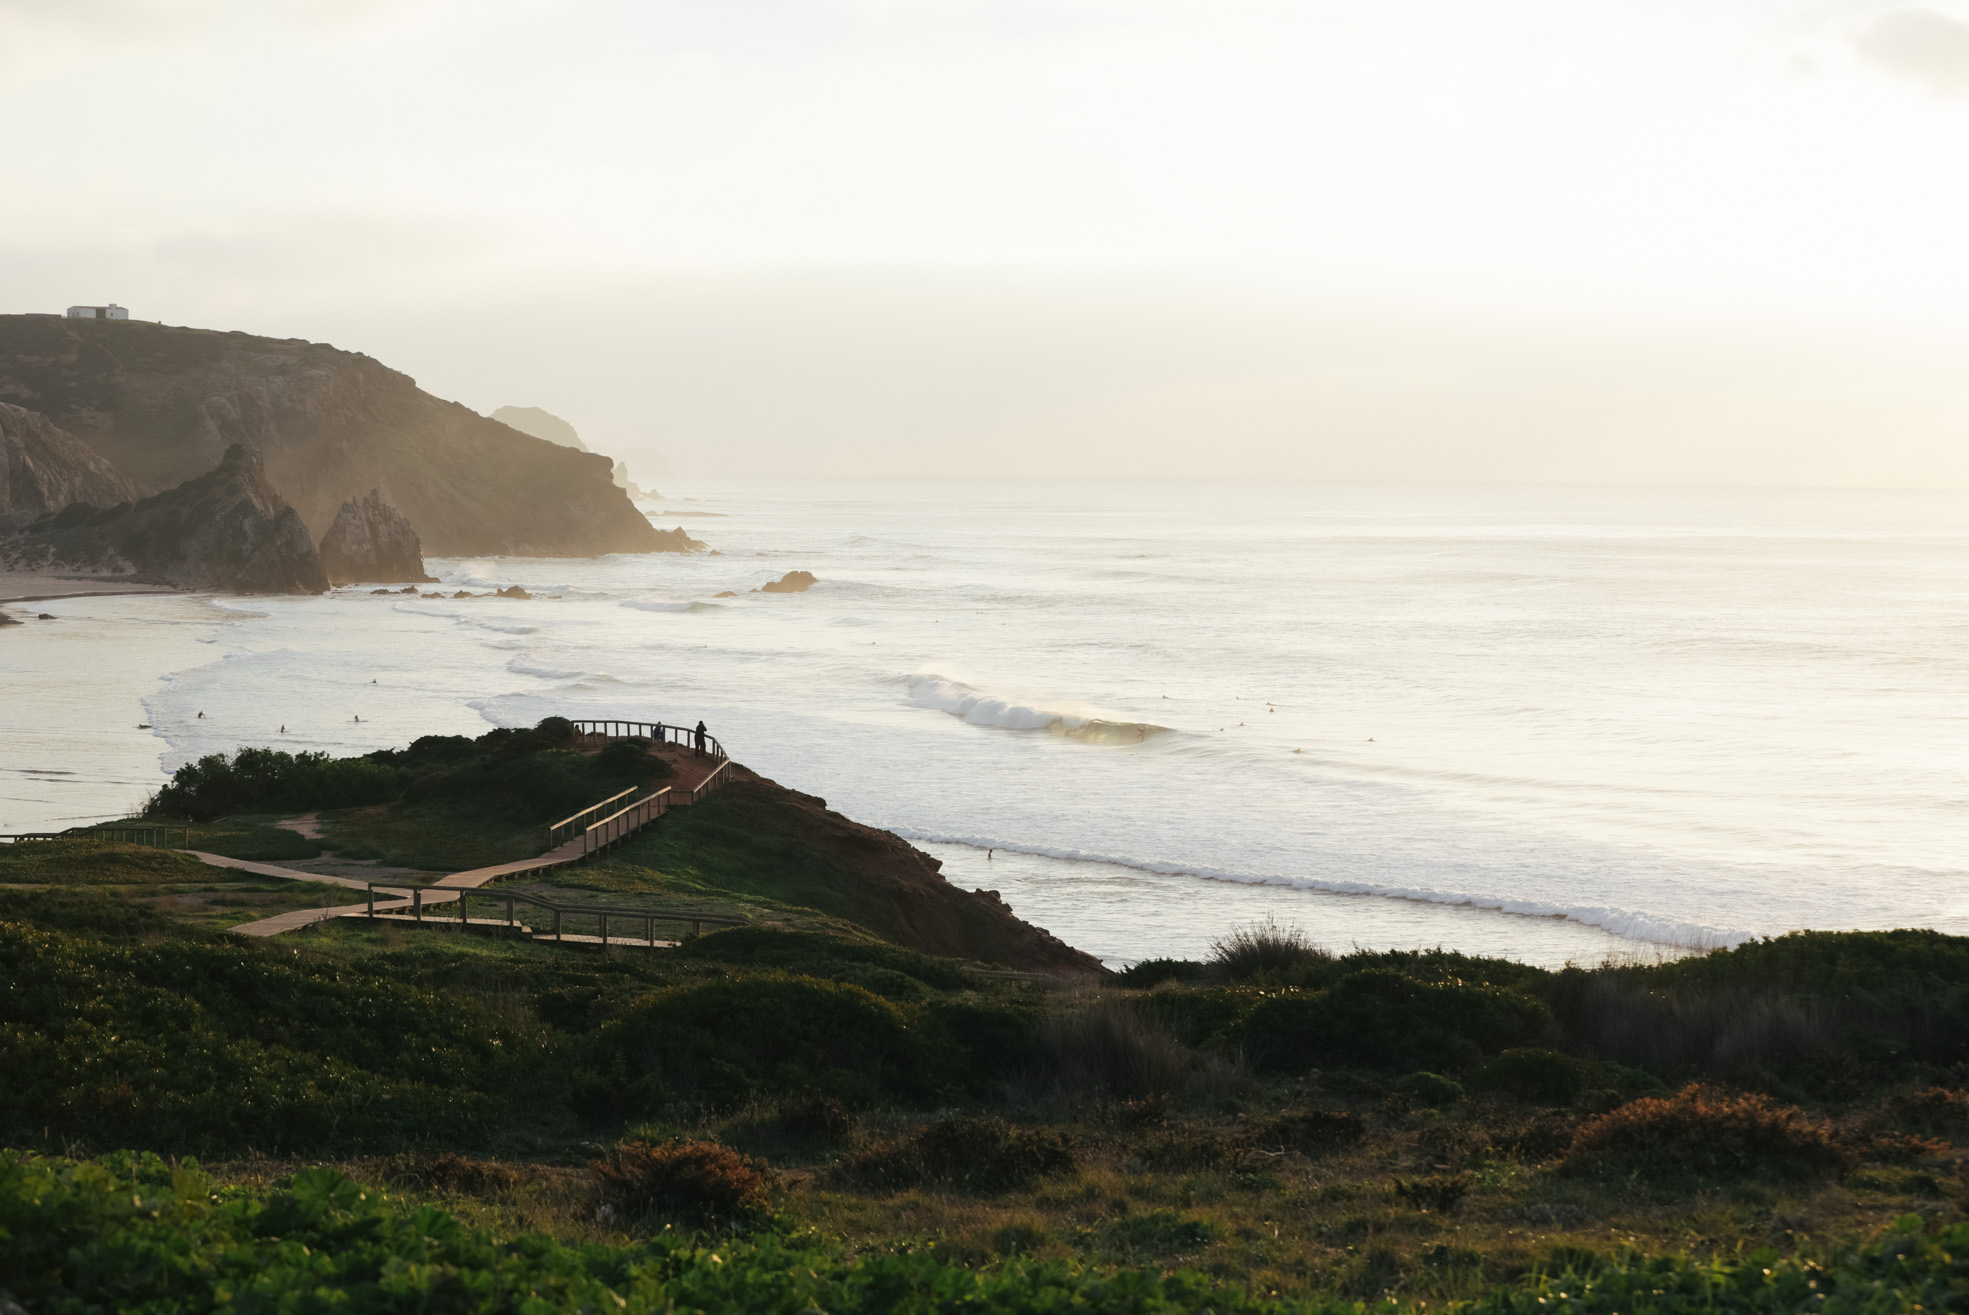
<point>810,1110</point>
<point>1429,1127</point>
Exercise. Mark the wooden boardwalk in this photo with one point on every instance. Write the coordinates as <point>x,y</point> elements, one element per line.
<point>581,846</point>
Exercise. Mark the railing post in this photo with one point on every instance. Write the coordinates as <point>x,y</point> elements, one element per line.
<point>417,902</point>
<point>372,899</point>
<point>605,931</point>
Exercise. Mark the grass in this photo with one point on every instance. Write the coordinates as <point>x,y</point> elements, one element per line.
<point>94,863</point>
<point>1279,1122</point>
<point>432,837</point>
<point>896,1106</point>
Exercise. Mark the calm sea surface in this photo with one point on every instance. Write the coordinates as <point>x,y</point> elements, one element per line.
<point>1547,723</point>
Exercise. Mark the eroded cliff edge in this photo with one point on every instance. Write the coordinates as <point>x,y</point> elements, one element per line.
<point>162,405</point>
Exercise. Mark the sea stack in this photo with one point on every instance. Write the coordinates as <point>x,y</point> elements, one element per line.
<point>371,541</point>
<point>226,529</point>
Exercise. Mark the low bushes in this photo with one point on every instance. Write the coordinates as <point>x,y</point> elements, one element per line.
<point>1105,1049</point>
<point>1262,950</point>
<point>1702,1132</point>
<point>697,1180</point>
<point>135,1233</point>
<point>718,1044</point>
<point>194,1044</point>
<point>976,1154</point>
<point>270,780</point>
<point>1545,1077</point>
<point>1381,1020</point>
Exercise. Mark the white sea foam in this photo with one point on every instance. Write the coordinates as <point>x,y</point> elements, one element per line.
<point>655,605</point>
<point>1640,926</point>
<point>1460,705</point>
<point>978,708</point>
<point>525,666</point>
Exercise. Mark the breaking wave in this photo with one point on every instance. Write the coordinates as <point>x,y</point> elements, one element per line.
<point>981,709</point>
<point>1653,928</point>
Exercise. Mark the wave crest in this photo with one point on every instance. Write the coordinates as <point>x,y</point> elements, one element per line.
<point>978,708</point>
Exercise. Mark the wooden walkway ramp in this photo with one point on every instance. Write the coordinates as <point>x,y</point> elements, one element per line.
<point>592,831</point>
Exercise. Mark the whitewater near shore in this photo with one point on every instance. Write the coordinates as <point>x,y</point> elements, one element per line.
<point>1552,724</point>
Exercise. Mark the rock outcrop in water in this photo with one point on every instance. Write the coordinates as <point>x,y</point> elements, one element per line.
<point>793,582</point>
<point>371,541</point>
<point>162,404</point>
<point>43,469</point>
<point>226,529</point>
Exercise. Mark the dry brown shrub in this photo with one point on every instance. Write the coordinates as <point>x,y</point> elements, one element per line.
<point>696,1179</point>
<point>976,1154</point>
<point>1903,1148</point>
<point>1701,1130</point>
<point>1938,1109</point>
<point>441,1171</point>
<point>1310,1132</point>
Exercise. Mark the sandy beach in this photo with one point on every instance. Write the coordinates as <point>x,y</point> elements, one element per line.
<point>37,586</point>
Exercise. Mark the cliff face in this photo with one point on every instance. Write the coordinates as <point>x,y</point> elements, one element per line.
<point>541,424</point>
<point>371,541</point>
<point>162,404</point>
<point>42,469</point>
<point>226,529</point>
<point>755,836</point>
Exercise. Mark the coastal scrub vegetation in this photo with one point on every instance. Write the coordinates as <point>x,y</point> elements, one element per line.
<point>534,772</point>
<point>841,1116</point>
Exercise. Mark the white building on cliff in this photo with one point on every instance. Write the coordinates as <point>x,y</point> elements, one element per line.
<point>109,312</point>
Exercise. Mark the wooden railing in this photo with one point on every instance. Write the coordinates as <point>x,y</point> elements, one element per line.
<point>569,827</point>
<point>620,825</point>
<point>684,736</point>
<point>131,835</point>
<point>513,898</point>
<point>716,778</point>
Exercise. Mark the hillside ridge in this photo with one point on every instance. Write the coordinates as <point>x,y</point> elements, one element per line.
<point>162,405</point>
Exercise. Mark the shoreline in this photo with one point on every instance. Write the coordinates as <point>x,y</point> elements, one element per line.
<point>47,588</point>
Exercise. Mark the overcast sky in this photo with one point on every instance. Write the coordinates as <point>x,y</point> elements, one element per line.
<point>1663,241</point>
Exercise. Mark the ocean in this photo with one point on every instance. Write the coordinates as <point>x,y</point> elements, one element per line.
<point>1554,724</point>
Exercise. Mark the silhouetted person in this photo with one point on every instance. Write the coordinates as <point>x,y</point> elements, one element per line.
<point>700,737</point>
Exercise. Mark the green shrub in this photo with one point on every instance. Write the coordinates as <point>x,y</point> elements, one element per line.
<point>1705,1133</point>
<point>1543,1076</point>
<point>1106,1049</point>
<point>271,780</point>
<point>1153,1235</point>
<point>977,1154</point>
<point>1431,1088</point>
<point>202,1043</point>
<point>1780,1006</point>
<point>136,1233</point>
<point>700,1181</point>
<point>1381,1020</point>
<point>1154,972</point>
<point>717,1044</point>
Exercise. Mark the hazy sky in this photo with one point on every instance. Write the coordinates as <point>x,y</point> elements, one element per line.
<point>1663,241</point>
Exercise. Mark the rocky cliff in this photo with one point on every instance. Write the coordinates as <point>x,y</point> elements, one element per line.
<point>43,469</point>
<point>371,541</point>
<point>225,529</point>
<point>162,404</point>
<point>541,424</point>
